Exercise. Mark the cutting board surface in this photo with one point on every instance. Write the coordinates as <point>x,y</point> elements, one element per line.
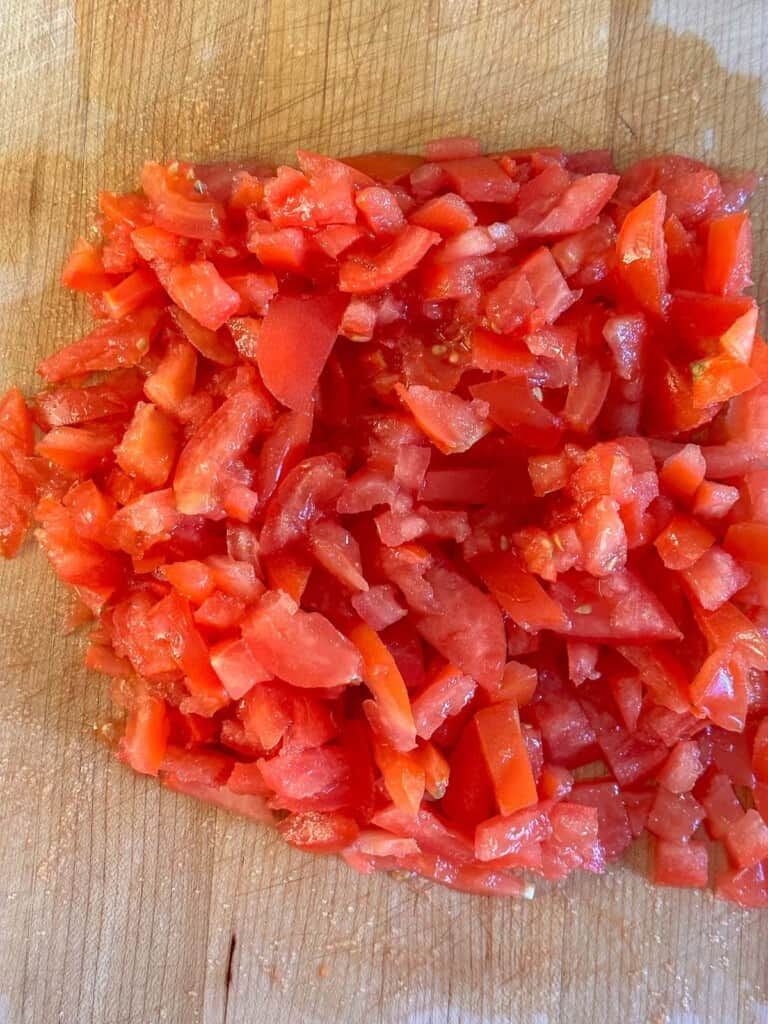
<point>122,904</point>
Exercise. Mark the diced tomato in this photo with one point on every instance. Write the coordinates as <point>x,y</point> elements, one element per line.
<point>674,816</point>
<point>84,269</point>
<point>682,543</point>
<point>747,840</point>
<point>319,832</point>
<point>334,239</point>
<point>479,179</point>
<point>237,668</point>
<point>574,842</point>
<point>145,739</point>
<point>682,768</point>
<point>337,551</point>
<point>714,501</point>
<point>172,620</point>
<point>424,502</point>
<point>504,750</point>
<point>578,206</point>
<point>470,797</point>
<point>155,243</point>
<point>613,823</point>
<point>507,835</point>
<point>283,249</point>
<point>179,213</point>
<point>385,682</point>
<point>294,343</point>
<point>403,775</point>
<point>447,214</point>
<point>683,864</point>
<point>148,446</point>
<point>80,449</point>
<point>535,292</point>
<point>381,210</point>
<point>386,167</point>
<point>108,347</point>
<point>468,630</point>
<point>301,647</point>
<point>451,423</point>
<point>192,579</point>
<point>305,493</point>
<point>514,407</point>
<point>518,683</point>
<point>317,779</point>
<point>683,473</point>
<point>446,694</point>
<point>728,266</point>
<point>201,291</point>
<point>379,606</point>
<point>66,405</point>
<point>642,254</point>
<point>518,592</point>
<point>208,457</point>
<point>746,886</point>
<point>371,273</point>
<point>715,578</point>
<point>131,293</point>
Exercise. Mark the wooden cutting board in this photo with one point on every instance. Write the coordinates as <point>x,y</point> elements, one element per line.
<point>122,904</point>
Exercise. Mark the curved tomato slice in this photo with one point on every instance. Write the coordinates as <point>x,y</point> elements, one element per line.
<point>642,254</point>
<point>295,340</point>
<point>371,273</point>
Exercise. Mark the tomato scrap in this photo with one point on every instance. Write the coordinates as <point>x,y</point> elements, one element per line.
<point>425,502</point>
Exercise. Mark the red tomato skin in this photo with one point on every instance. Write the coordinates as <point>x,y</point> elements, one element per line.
<point>727,270</point>
<point>642,254</point>
<point>295,340</point>
<point>504,750</point>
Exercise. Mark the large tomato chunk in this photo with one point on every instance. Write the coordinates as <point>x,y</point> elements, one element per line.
<point>295,340</point>
<point>301,647</point>
<point>642,254</point>
<point>111,346</point>
<point>203,472</point>
<point>468,629</point>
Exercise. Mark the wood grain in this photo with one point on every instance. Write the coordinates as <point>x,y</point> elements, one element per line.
<point>122,904</point>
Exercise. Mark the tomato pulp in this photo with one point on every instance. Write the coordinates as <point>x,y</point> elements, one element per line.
<point>423,501</point>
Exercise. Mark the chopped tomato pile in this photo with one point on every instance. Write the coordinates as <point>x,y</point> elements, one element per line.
<point>421,504</point>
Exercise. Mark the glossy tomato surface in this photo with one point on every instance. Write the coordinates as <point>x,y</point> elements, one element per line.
<point>424,502</point>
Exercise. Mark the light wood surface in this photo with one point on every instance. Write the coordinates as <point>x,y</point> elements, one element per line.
<point>122,904</point>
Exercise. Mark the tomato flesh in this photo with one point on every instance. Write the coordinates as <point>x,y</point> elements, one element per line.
<point>422,500</point>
